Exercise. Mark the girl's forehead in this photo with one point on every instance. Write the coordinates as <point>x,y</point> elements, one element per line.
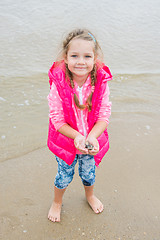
<point>81,45</point>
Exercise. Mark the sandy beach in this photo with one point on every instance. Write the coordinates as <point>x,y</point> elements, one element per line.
<point>127,183</point>
<point>128,180</point>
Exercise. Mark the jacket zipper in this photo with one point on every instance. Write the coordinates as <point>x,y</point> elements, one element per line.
<point>81,102</point>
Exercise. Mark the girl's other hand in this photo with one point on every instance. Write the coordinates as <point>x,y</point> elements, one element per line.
<point>93,141</point>
<point>79,143</point>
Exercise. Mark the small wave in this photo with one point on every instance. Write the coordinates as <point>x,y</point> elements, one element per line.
<point>2,99</point>
<point>27,102</point>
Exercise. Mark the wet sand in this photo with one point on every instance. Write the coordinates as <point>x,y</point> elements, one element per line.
<point>128,183</point>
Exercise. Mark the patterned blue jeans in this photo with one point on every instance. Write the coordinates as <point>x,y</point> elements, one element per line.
<point>65,172</point>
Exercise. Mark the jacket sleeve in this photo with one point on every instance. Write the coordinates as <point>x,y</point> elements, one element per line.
<point>105,109</point>
<point>55,108</point>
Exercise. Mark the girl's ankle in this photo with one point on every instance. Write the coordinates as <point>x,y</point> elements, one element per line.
<point>57,202</point>
<point>89,196</point>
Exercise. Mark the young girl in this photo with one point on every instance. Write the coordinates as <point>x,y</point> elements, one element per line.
<point>79,112</point>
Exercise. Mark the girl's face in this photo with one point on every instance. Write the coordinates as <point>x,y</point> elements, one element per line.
<point>80,58</point>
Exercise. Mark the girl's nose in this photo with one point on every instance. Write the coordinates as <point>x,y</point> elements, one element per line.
<point>80,60</point>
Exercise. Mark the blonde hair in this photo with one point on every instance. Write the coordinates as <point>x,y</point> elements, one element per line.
<point>88,36</point>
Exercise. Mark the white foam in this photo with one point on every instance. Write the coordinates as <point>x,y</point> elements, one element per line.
<point>2,99</point>
<point>27,102</point>
<point>148,127</point>
<point>20,104</point>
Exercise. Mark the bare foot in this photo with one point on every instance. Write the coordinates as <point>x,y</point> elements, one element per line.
<point>95,204</point>
<point>54,212</point>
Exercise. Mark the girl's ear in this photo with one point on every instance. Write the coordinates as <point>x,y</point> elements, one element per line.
<point>95,59</point>
<point>65,59</point>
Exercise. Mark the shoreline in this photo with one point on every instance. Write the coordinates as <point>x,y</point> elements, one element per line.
<point>22,154</point>
<point>29,128</point>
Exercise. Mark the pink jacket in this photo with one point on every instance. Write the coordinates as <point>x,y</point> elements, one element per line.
<point>61,145</point>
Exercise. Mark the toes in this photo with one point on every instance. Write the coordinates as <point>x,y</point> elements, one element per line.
<point>96,210</point>
<point>101,209</point>
<point>58,220</point>
<point>50,218</point>
<point>54,219</point>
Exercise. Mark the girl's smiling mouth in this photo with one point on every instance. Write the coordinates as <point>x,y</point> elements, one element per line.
<point>81,68</point>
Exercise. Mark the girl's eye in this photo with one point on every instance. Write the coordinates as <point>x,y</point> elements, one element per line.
<point>88,56</point>
<point>73,55</point>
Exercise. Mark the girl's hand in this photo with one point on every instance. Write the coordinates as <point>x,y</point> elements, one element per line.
<point>79,143</point>
<point>94,142</point>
